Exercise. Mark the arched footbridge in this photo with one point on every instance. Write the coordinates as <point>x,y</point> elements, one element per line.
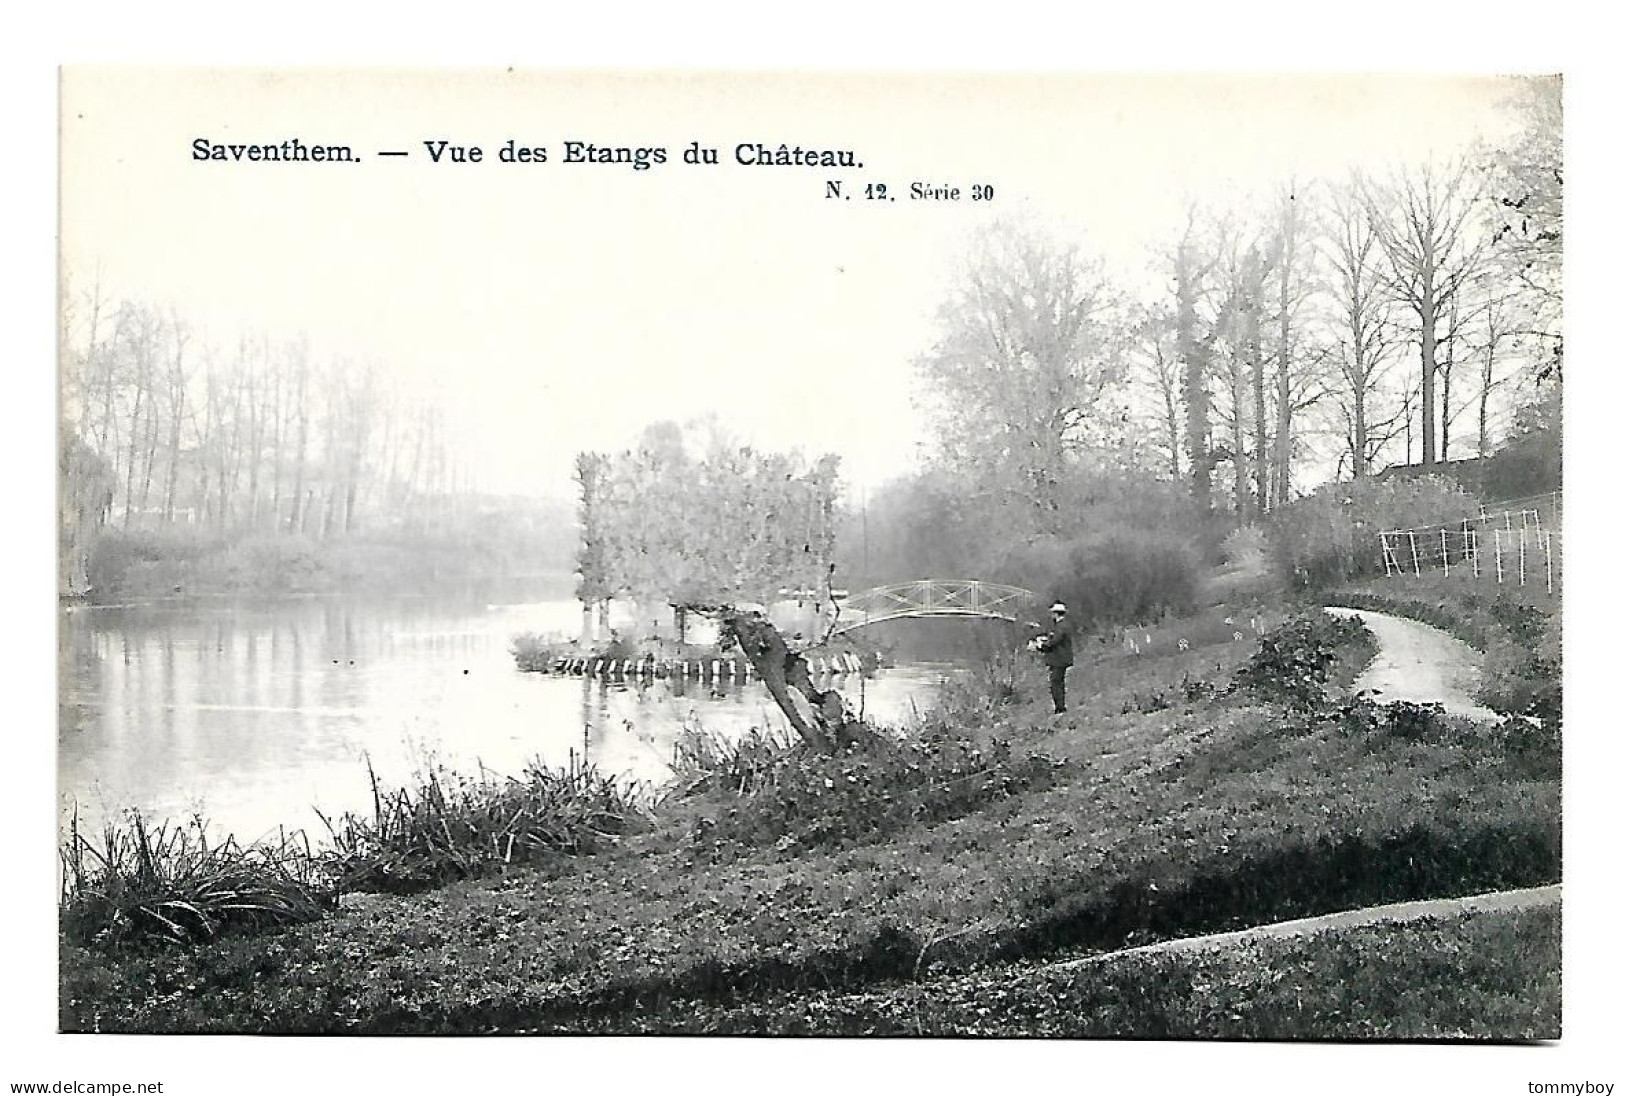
<point>933,598</point>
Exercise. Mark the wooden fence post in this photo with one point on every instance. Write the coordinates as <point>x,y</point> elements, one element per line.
<point>1522,536</point>
<point>1444,546</point>
<point>1498,555</point>
<point>1416,560</point>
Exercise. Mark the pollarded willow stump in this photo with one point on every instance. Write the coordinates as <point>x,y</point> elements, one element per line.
<point>827,723</point>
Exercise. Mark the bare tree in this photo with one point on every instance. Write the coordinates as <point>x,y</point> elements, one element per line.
<point>1362,310</point>
<point>1191,266</point>
<point>1300,368</point>
<point>1424,219</point>
<point>179,379</point>
<point>1525,185</point>
<point>1156,365</point>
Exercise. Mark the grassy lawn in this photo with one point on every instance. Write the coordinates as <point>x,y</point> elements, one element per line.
<point>1485,975</point>
<point>1166,808</point>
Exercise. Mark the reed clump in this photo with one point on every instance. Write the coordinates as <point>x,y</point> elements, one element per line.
<point>450,826</point>
<point>171,882</point>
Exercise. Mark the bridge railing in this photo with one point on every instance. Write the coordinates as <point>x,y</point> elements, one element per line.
<point>933,597</point>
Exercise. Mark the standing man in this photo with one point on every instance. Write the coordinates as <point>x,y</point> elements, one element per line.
<point>1056,647</point>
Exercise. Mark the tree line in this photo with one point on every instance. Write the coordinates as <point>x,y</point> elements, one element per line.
<point>1330,327</point>
<point>253,434</point>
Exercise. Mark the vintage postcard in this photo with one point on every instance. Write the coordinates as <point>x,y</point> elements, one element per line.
<point>654,553</point>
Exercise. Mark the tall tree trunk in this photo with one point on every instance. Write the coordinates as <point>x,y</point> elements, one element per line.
<point>1427,313</point>
<point>1281,492</point>
<point>1170,410</point>
<point>151,457</point>
<point>1444,394</point>
<point>129,466</point>
<point>1252,346</point>
<point>178,402</point>
<point>1361,430</point>
<point>1238,440</point>
<point>1193,356</point>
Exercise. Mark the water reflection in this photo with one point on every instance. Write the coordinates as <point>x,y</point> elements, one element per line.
<point>252,713</point>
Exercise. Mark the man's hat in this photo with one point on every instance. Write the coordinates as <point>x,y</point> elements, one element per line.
<point>1057,608</point>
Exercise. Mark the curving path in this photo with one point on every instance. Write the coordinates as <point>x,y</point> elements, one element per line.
<point>1396,913</point>
<point>1419,663</point>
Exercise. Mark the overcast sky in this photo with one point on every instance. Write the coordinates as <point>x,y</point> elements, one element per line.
<point>563,307</point>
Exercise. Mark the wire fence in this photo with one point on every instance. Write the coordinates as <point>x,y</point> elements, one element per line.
<point>1515,542</point>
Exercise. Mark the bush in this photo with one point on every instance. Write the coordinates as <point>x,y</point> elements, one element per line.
<point>1246,548</point>
<point>772,792</point>
<point>172,883</point>
<point>531,653</point>
<point>1294,662</point>
<point>706,762</point>
<point>272,563</point>
<point>1535,747</point>
<point>1401,719</point>
<point>1331,536</point>
<point>1117,577</point>
<point>121,559</point>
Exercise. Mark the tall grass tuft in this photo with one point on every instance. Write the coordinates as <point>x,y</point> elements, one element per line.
<point>451,826</point>
<point>704,761</point>
<point>171,882</point>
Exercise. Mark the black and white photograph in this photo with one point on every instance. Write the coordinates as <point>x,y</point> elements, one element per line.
<point>807,554</point>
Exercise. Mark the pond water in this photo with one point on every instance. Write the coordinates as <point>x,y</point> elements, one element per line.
<point>253,714</point>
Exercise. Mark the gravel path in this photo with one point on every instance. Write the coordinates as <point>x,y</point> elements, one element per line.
<point>1396,913</point>
<point>1419,663</point>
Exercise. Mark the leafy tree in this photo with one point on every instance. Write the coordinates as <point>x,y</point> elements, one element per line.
<point>1024,383</point>
<point>662,524</point>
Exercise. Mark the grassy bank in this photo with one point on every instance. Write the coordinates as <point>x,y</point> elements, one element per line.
<point>1176,798</point>
<point>1482,975</point>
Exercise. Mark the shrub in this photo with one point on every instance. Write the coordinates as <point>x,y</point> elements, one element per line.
<point>531,653</point>
<point>1247,548</point>
<point>272,563</point>
<point>704,761</point>
<point>799,797</point>
<point>1294,662</point>
<point>171,882</point>
<point>1401,719</point>
<point>1534,746</point>
<point>1121,576</point>
<point>1331,536</point>
<point>993,679</point>
<point>119,558</point>
<point>452,826</point>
